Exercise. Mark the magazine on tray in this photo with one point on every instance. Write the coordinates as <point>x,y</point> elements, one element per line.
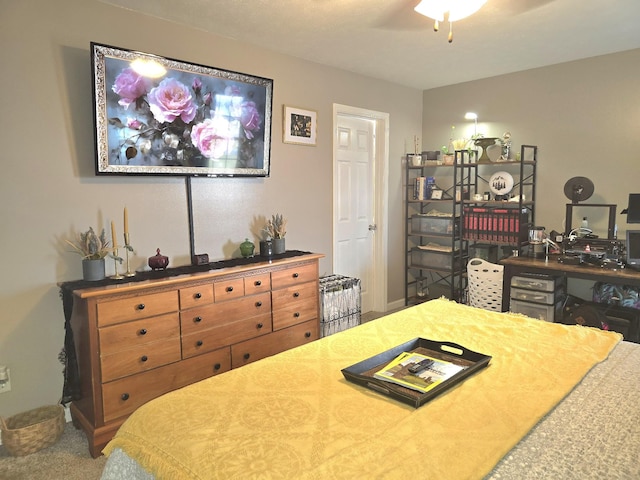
<point>418,372</point>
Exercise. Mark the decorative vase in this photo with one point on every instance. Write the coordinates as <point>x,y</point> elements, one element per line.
<point>266,248</point>
<point>158,261</point>
<point>484,142</point>
<point>278,246</point>
<point>246,248</point>
<point>93,270</point>
<point>416,161</point>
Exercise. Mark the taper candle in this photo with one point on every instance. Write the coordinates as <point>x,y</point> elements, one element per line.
<point>113,235</point>
<point>126,221</point>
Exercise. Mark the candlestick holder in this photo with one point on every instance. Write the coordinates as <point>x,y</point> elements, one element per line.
<point>128,248</point>
<point>117,276</point>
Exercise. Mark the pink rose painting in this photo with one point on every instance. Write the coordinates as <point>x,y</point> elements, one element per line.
<point>203,122</point>
<point>170,100</point>
<point>211,137</point>
<point>130,86</point>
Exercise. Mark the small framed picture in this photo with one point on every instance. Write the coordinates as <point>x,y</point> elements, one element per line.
<point>436,194</point>
<point>299,126</point>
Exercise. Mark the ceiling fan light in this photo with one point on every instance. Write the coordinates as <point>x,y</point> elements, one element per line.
<point>459,9</point>
<point>433,9</point>
<point>148,68</point>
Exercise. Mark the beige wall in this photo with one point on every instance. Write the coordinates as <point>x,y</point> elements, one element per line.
<point>48,189</point>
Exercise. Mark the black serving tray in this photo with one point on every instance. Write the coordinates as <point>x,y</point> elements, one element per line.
<point>362,372</point>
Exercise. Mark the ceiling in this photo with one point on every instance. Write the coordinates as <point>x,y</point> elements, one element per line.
<point>386,39</point>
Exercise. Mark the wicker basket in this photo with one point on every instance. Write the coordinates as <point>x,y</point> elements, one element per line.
<point>31,431</point>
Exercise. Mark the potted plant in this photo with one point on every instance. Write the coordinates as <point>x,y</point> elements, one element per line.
<point>92,248</point>
<point>447,156</point>
<point>275,231</point>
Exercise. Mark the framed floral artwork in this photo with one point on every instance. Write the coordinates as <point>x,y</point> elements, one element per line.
<point>155,115</point>
<point>300,126</point>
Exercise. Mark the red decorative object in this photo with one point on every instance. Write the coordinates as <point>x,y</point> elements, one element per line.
<point>158,261</point>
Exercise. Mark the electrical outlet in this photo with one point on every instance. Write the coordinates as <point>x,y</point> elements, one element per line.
<point>5,379</point>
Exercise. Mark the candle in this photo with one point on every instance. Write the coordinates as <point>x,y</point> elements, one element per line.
<point>113,235</point>
<point>126,221</point>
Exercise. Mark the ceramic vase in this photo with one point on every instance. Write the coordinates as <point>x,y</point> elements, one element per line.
<point>278,246</point>
<point>93,270</point>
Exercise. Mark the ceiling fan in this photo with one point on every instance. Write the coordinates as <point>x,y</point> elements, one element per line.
<point>404,17</point>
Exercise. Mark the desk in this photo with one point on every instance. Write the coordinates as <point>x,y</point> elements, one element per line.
<point>517,265</point>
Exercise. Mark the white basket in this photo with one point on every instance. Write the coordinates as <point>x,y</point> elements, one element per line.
<point>485,284</point>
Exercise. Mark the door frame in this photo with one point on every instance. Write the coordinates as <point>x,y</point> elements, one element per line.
<point>379,290</point>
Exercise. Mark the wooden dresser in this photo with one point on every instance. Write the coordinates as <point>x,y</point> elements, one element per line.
<point>139,340</point>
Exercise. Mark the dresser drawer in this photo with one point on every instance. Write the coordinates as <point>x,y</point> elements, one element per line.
<point>134,308</point>
<point>194,296</point>
<point>257,283</point>
<point>132,334</point>
<point>306,292</point>
<point>294,313</point>
<point>222,334</point>
<point>220,314</point>
<point>228,289</point>
<point>294,275</point>
<point>122,397</point>
<point>276,342</point>
<point>140,359</point>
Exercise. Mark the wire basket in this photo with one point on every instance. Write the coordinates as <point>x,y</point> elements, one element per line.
<point>30,431</point>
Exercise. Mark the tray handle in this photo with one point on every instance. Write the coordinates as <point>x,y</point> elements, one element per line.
<point>452,348</point>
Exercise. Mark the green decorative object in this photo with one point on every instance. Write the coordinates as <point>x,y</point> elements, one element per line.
<point>246,248</point>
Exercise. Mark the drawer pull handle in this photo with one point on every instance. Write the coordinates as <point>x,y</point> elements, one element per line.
<point>246,356</point>
<point>197,319</point>
<point>217,366</point>
<point>124,396</point>
<point>229,289</point>
<point>296,275</point>
<point>199,343</point>
<point>297,314</point>
<point>257,283</point>
<point>258,304</point>
<point>260,325</point>
<point>143,331</point>
<point>140,306</point>
<point>307,334</point>
<point>198,295</point>
<point>144,358</point>
<point>296,295</point>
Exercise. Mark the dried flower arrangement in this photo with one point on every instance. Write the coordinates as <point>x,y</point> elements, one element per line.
<point>275,227</point>
<point>91,246</point>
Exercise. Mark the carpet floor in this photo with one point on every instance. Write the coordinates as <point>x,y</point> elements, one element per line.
<point>67,459</point>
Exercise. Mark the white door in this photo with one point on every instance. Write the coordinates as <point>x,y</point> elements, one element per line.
<point>356,227</point>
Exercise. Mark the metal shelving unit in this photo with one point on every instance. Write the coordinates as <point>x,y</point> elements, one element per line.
<point>435,253</point>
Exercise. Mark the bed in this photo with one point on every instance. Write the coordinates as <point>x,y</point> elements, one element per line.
<point>556,401</point>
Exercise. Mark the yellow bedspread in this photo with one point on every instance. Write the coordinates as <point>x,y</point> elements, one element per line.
<point>293,416</point>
